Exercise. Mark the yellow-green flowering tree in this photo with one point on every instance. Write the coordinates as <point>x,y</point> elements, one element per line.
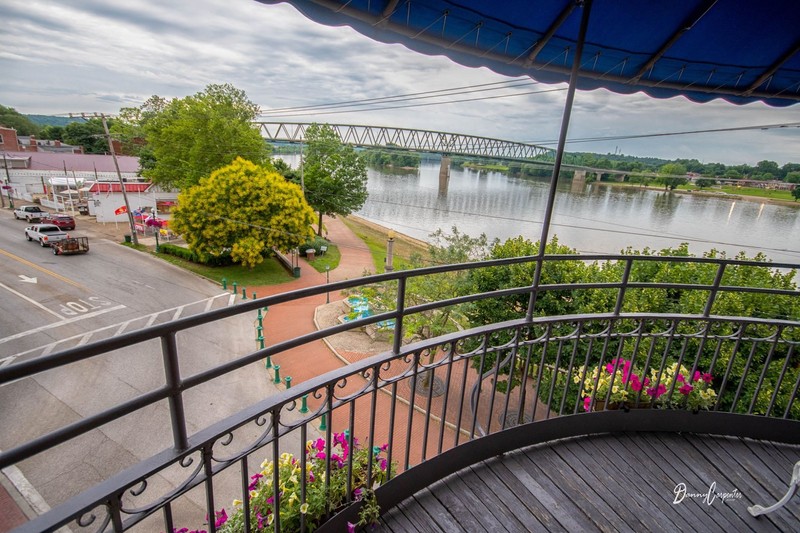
<point>243,209</point>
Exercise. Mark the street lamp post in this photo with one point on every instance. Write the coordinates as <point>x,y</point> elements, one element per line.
<point>327,281</point>
<point>390,252</point>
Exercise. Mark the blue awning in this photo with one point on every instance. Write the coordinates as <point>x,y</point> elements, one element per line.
<point>738,50</point>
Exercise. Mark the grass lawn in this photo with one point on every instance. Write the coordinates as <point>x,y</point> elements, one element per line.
<point>375,237</point>
<point>329,259</point>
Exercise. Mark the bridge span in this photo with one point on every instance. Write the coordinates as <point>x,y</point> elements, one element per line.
<point>439,142</point>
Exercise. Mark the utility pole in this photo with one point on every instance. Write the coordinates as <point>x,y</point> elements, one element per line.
<point>121,183</point>
<point>7,184</point>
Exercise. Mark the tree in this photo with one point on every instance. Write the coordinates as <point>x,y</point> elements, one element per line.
<point>89,134</point>
<point>705,182</point>
<point>244,209</point>
<point>796,193</point>
<point>193,136</point>
<point>335,176</point>
<point>53,133</point>
<point>793,177</point>
<point>11,118</point>
<point>768,167</point>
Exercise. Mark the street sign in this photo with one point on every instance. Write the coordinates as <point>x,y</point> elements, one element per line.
<point>121,210</point>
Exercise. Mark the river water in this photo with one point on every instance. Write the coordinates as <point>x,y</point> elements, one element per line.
<point>593,218</point>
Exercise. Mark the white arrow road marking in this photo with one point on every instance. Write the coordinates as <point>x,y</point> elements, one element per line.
<point>26,279</point>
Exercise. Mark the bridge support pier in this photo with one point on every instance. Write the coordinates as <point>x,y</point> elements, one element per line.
<point>578,181</point>
<point>444,175</point>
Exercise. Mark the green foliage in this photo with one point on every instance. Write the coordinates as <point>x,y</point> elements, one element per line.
<point>672,182</point>
<point>191,137</point>
<point>796,193</point>
<point>245,209</point>
<point>90,134</point>
<point>223,259</point>
<point>384,158</point>
<point>53,133</point>
<point>793,177</point>
<point>705,182</point>
<point>316,243</point>
<point>11,118</point>
<point>335,176</point>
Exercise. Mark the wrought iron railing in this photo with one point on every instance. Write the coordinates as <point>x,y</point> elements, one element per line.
<point>428,407</point>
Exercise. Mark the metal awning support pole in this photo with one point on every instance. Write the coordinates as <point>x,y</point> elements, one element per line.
<point>562,141</point>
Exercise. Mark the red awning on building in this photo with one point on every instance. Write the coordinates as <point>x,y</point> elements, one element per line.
<point>102,187</point>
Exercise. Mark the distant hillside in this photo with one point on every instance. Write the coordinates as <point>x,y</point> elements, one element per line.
<point>49,120</point>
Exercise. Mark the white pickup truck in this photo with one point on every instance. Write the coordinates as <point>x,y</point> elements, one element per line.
<point>45,234</point>
<point>31,213</point>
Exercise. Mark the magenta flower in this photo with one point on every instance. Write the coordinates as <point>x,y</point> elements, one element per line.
<point>321,455</point>
<point>681,378</point>
<point>357,494</point>
<point>587,403</point>
<point>686,389</point>
<point>708,378</point>
<point>351,528</point>
<point>311,476</point>
<point>254,483</point>
<point>220,518</point>
<point>655,392</point>
<point>319,444</point>
<point>261,520</point>
<point>383,464</point>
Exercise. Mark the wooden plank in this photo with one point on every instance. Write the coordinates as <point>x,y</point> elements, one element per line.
<point>544,491</point>
<point>572,487</point>
<point>414,509</point>
<point>514,509</point>
<point>526,495</point>
<point>460,505</point>
<point>397,522</point>
<point>750,489</point>
<point>603,467</point>
<point>439,514</point>
<point>660,477</point>
<point>691,468</point>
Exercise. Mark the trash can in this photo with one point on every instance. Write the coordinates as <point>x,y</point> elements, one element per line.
<point>128,238</point>
<point>310,254</point>
<point>296,272</point>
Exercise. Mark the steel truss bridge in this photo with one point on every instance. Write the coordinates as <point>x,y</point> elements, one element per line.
<point>409,139</point>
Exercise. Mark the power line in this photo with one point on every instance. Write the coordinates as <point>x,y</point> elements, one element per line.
<point>404,97</point>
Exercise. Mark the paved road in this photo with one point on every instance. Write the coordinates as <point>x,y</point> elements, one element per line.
<point>49,303</point>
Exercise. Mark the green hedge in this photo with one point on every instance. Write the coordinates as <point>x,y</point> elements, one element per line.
<point>316,243</point>
<point>223,259</point>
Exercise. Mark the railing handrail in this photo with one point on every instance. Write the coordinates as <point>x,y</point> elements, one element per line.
<point>175,385</point>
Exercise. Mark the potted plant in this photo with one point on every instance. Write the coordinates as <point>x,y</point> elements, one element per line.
<point>320,496</point>
<point>679,388</point>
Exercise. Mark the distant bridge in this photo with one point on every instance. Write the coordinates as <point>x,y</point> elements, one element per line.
<point>409,139</point>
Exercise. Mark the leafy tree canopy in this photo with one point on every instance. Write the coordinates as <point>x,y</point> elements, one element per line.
<point>10,118</point>
<point>334,174</point>
<point>188,138</point>
<point>89,134</point>
<point>674,169</point>
<point>244,209</point>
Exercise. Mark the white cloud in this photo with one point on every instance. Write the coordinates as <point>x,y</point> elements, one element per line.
<point>92,55</point>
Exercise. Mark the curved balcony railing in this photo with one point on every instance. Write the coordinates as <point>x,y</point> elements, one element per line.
<point>429,407</point>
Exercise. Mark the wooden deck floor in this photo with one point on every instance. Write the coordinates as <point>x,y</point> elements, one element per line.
<point>612,483</point>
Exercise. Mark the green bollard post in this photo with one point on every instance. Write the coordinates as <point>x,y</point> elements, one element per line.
<point>323,426</point>
<point>224,284</point>
<point>304,404</point>
<point>288,381</point>
<point>234,288</point>
<point>277,374</point>
<point>260,340</point>
<point>260,331</point>
<point>254,296</point>
<point>244,293</point>
<point>268,362</point>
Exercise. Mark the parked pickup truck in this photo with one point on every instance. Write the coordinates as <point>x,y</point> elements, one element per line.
<point>31,213</point>
<point>45,234</point>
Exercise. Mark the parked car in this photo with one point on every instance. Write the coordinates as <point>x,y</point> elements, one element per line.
<point>31,213</point>
<point>61,220</point>
<point>45,234</point>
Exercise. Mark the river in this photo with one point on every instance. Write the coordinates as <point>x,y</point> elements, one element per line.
<point>593,218</point>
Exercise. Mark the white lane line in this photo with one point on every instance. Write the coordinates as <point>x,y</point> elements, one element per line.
<point>177,314</point>
<point>85,339</point>
<point>209,303</point>
<point>121,328</point>
<point>31,301</point>
<point>59,324</point>
<point>152,319</point>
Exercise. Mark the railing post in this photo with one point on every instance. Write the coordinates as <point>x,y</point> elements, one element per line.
<point>398,321</point>
<point>712,296</point>
<point>537,276</point>
<point>172,373</point>
<point>623,286</point>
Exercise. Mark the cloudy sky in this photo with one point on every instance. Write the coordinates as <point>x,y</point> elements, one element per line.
<point>99,56</point>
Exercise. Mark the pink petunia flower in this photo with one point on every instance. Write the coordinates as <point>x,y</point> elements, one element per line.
<point>319,444</point>
<point>686,389</point>
<point>587,403</point>
<point>220,518</point>
<point>708,378</point>
<point>254,483</point>
<point>351,528</point>
<point>697,376</point>
<point>655,392</point>
<point>383,463</point>
<point>681,378</point>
